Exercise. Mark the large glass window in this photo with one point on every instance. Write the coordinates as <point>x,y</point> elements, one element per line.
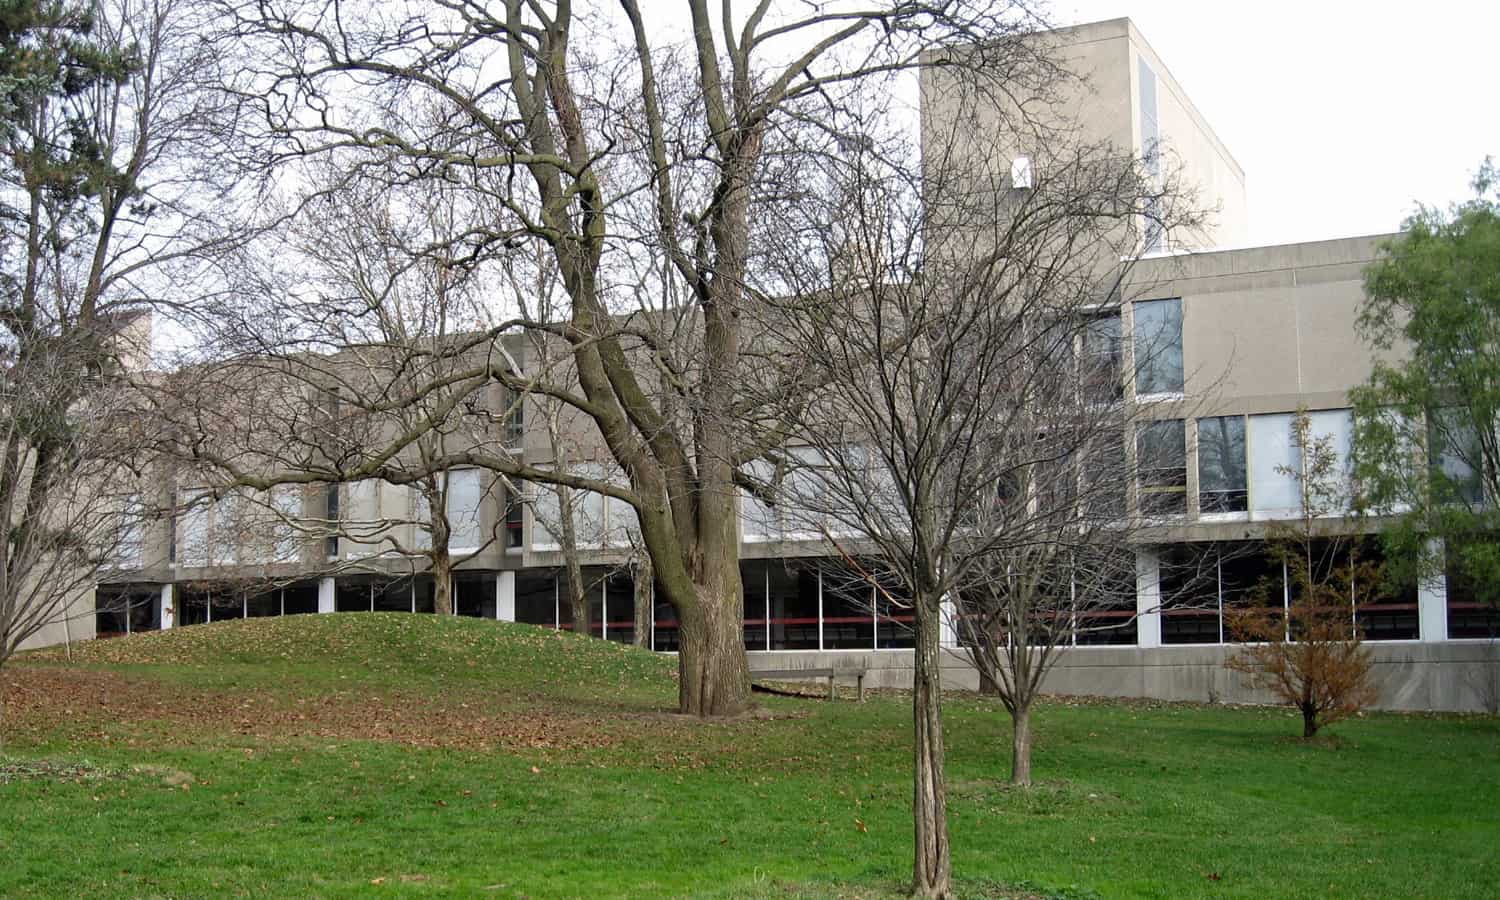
<point>1456,458</point>
<point>1473,604</point>
<point>1158,347</point>
<point>1161,460</point>
<point>536,598</point>
<point>463,509</point>
<point>1276,459</point>
<point>126,609</point>
<point>753,612</point>
<point>848,611</point>
<point>1189,585</point>
<point>794,607</point>
<point>1102,483</point>
<point>1386,611</point>
<point>474,594</point>
<point>1101,361</point>
<point>1250,579</point>
<point>1103,595</point>
<point>1222,485</point>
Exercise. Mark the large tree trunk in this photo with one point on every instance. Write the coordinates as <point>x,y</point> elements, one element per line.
<point>442,583</point>
<point>1020,746</point>
<point>643,602</point>
<point>932,868</point>
<point>711,664</point>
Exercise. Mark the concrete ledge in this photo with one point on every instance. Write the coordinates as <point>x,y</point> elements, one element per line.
<point>1454,676</point>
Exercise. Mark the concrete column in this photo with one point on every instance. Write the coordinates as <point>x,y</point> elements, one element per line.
<point>168,606</point>
<point>1432,599</point>
<point>326,595</point>
<point>505,596</point>
<point>1147,599</point>
<point>947,624</point>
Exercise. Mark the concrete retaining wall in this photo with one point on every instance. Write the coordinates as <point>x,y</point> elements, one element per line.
<point>1450,676</point>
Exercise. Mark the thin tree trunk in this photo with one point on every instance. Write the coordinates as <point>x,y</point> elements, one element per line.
<point>932,867</point>
<point>1309,721</point>
<point>442,583</point>
<point>574,596</point>
<point>572,583</point>
<point>643,604</point>
<point>1020,746</point>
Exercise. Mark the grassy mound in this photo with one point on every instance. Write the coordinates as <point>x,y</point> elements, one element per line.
<point>384,647</point>
<point>363,754</point>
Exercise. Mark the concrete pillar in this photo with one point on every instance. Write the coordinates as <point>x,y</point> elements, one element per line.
<point>326,595</point>
<point>1432,598</point>
<point>1147,599</point>
<point>168,606</point>
<point>948,624</point>
<point>505,596</point>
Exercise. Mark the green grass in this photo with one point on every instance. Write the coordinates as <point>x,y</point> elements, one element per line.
<point>379,754</point>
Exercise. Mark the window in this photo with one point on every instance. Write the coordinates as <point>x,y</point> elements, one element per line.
<point>1020,173</point>
<point>1161,460</point>
<point>193,532</point>
<point>514,432</point>
<point>1150,120</point>
<point>421,517</point>
<point>1221,465</point>
<point>1158,347</point>
<point>1100,359</point>
<point>331,516</point>
<point>1101,485</point>
<point>1188,576</point>
<point>515,515</point>
<point>463,509</point>
<point>286,503</point>
<point>1275,461</point>
<point>1150,153</point>
<point>131,537</point>
<point>1473,601</point>
<point>1456,458</point>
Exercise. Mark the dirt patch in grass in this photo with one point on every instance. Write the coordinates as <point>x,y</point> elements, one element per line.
<point>55,770</point>
<point>111,707</point>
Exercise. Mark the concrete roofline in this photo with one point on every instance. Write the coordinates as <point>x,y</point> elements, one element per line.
<point>1126,27</point>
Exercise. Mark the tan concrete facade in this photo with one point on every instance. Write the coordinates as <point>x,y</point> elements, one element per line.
<point>1264,331</point>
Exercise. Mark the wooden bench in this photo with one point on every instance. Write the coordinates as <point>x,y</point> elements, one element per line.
<point>804,674</point>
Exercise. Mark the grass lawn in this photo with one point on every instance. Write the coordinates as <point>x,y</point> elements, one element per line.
<point>371,754</point>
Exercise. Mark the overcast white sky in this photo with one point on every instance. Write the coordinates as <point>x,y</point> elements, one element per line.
<point>1342,114</point>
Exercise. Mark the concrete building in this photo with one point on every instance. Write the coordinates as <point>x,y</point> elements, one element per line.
<point>1251,335</point>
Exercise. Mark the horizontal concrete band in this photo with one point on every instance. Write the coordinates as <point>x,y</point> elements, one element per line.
<point>1456,676</point>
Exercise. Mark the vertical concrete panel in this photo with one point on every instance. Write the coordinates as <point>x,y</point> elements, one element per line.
<point>1432,601</point>
<point>947,630</point>
<point>1148,599</point>
<point>505,596</point>
<point>167,606</point>
<point>325,595</point>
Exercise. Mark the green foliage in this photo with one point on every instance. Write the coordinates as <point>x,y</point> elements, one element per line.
<point>1149,799</point>
<point>1425,422</point>
<point>46,57</point>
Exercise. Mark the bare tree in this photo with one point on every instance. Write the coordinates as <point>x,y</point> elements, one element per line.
<point>110,211</point>
<point>965,432</point>
<point>619,156</point>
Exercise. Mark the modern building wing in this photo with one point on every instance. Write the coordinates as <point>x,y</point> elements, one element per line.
<point>1219,348</point>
